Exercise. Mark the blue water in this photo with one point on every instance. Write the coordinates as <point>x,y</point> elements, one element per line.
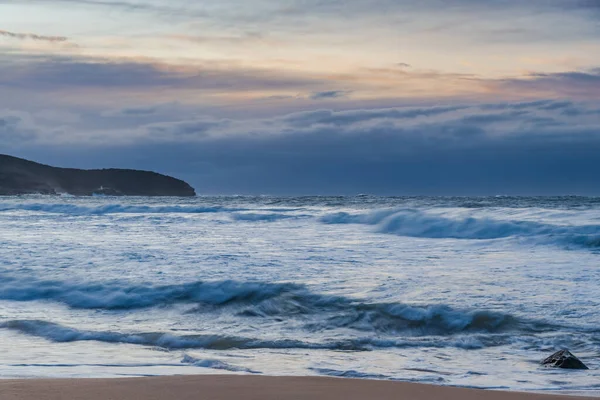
<point>453,291</point>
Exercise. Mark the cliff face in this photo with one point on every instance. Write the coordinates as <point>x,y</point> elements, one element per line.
<point>19,176</point>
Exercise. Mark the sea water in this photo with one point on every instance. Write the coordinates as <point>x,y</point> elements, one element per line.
<point>453,291</point>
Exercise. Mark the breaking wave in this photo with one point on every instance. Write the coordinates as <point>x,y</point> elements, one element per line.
<point>121,296</point>
<point>63,334</point>
<point>215,364</point>
<point>274,301</point>
<point>414,223</point>
<point>349,374</point>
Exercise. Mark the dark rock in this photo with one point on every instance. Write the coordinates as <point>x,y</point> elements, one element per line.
<point>18,177</point>
<point>564,359</point>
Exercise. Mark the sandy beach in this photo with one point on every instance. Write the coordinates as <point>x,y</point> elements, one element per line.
<point>245,387</point>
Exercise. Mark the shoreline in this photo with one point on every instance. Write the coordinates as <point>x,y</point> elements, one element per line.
<point>234,387</point>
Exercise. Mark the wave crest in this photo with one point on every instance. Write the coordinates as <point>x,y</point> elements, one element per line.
<point>215,364</point>
<point>416,223</point>
<point>274,301</point>
<point>168,341</point>
<point>121,296</point>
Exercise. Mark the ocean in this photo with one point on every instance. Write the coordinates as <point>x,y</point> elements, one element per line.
<point>469,292</point>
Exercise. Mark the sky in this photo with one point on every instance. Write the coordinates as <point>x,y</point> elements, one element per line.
<point>300,97</point>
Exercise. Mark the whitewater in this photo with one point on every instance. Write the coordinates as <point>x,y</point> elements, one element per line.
<point>469,292</point>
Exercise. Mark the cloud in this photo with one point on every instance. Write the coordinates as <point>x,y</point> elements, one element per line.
<point>330,94</point>
<point>18,128</point>
<point>140,111</point>
<point>62,72</point>
<point>85,79</point>
<point>173,122</point>
<point>386,6</point>
<point>126,5</point>
<point>33,36</point>
<point>195,129</point>
<point>519,105</point>
<point>290,6</point>
<point>341,118</point>
<point>582,84</point>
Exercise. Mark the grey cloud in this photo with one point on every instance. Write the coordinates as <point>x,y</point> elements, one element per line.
<point>484,119</point>
<point>40,73</point>
<point>139,111</point>
<point>519,105</point>
<point>564,107</point>
<point>555,105</point>
<point>32,36</point>
<point>466,7</point>
<point>36,72</point>
<point>170,130</point>
<point>272,16</point>
<point>592,76</point>
<point>16,128</point>
<point>331,94</point>
<point>400,162</point>
<point>584,84</point>
<point>340,118</point>
<point>587,4</point>
<point>143,5</point>
<point>53,72</point>
<point>378,161</point>
<point>131,112</point>
<point>543,122</point>
<point>289,6</point>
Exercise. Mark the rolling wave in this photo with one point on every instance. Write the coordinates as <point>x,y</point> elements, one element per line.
<point>349,374</point>
<point>63,334</point>
<point>121,296</point>
<point>275,301</point>
<point>415,223</point>
<point>215,364</point>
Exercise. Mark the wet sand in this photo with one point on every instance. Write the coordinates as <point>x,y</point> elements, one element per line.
<point>230,387</point>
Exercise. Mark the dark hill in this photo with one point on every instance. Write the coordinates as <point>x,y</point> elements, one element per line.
<point>19,176</point>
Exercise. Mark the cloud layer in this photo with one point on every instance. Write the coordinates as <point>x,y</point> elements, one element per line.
<point>539,147</point>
